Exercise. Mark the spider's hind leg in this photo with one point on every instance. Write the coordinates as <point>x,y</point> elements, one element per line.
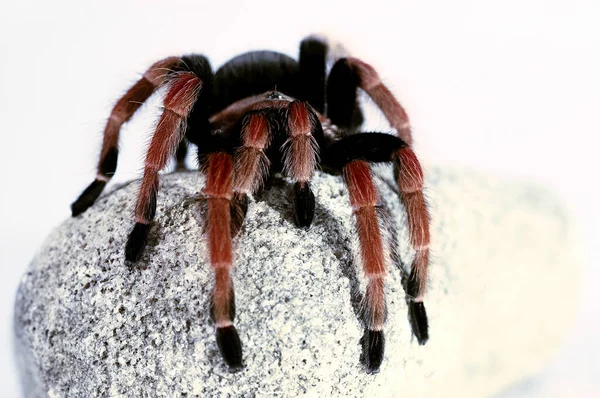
<point>352,155</point>
<point>313,60</point>
<point>123,110</point>
<point>342,100</point>
<point>347,75</point>
<point>410,184</point>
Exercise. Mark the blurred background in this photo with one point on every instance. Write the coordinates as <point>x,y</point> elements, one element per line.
<point>508,87</point>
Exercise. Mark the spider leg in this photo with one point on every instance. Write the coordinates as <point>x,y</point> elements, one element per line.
<point>359,74</point>
<point>229,180</point>
<point>351,155</point>
<point>180,155</point>
<point>300,157</point>
<point>312,60</point>
<point>182,93</point>
<point>238,210</point>
<point>251,164</point>
<point>372,147</point>
<point>342,105</point>
<point>367,79</point>
<point>120,114</point>
<point>410,183</point>
<point>219,168</point>
<point>363,198</point>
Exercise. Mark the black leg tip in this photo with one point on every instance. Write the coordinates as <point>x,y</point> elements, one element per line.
<point>304,204</point>
<point>418,321</point>
<point>77,209</point>
<point>373,348</point>
<point>230,347</point>
<point>136,242</point>
<point>87,197</point>
<point>314,45</point>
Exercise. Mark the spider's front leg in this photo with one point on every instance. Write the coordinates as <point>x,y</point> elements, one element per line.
<point>218,167</point>
<point>181,96</point>
<point>229,181</point>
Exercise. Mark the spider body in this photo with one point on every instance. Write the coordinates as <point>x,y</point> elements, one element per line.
<point>262,113</point>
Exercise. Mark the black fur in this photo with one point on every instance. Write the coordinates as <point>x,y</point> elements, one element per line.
<point>417,316</point>
<point>372,147</point>
<point>342,105</point>
<point>181,154</point>
<point>198,64</point>
<point>150,210</point>
<point>197,122</point>
<point>109,163</point>
<point>239,208</point>
<point>418,321</point>
<point>412,285</point>
<point>137,240</point>
<point>317,131</point>
<point>217,143</point>
<point>304,204</point>
<point>373,344</point>
<point>87,197</point>
<point>255,73</point>
<point>313,54</point>
<point>230,347</point>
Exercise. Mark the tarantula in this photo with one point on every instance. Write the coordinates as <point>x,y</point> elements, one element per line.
<point>262,113</point>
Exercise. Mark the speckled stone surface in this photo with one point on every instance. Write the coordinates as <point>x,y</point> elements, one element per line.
<point>86,325</point>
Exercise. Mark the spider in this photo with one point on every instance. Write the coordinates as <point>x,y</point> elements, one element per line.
<point>263,113</point>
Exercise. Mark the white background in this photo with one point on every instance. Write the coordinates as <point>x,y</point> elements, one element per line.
<point>511,87</point>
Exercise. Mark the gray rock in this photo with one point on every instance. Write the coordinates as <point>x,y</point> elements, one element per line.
<point>88,326</point>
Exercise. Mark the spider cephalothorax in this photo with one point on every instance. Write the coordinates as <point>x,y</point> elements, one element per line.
<point>263,113</point>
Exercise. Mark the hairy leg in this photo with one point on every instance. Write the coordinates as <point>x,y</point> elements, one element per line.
<point>219,191</point>
<point>179,100</point>
<point>410,183</point>
<point>363,198</point>
<point>372,147</point>
<point>358,74</point>
<point>300,157</point>
<point>251,163</point>
<point>312,60</point>
<point>370,82</point>
<point>342,105</point>
<point>121,113</point>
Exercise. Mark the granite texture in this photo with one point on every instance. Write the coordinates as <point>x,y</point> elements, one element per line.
<point>86,325</point>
